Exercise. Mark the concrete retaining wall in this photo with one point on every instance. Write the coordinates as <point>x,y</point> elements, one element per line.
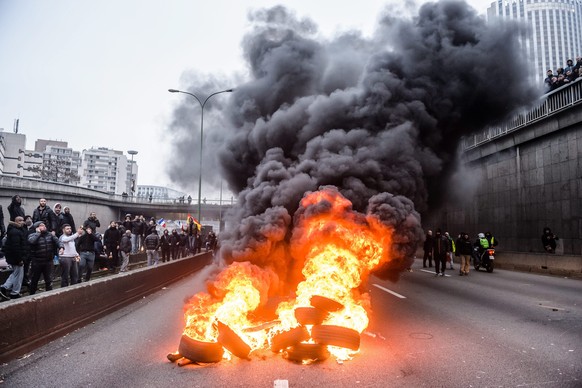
<point>33,321</point>
<point>563,265</point>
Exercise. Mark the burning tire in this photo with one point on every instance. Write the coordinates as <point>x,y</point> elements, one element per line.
<point>232,342</point>
<point>289,338</point>
<point>325,304</point>
<point>342,337</point>
<point>310,315</point>
<point>199,351</point>
<point>307,352</point>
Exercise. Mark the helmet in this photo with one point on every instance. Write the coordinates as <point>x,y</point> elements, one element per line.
<point>481,235</point>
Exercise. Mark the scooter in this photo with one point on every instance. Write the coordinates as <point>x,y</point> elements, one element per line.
<point>485,260</point>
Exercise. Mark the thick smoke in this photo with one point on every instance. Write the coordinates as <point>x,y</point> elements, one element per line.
<point>379,118</point>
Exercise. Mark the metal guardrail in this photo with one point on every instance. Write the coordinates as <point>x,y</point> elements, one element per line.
<point>552,103</point>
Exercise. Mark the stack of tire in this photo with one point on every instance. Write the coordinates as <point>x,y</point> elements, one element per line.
<point>296,344</point>
<point>293,342</point>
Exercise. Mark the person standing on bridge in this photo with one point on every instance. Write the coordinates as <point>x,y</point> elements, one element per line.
<point>43,246</point>
<point>60,221</point>
<point>2,227</point>
<point>68,217</point>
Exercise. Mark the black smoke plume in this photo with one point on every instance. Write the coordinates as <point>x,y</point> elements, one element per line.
<point>379,118</point>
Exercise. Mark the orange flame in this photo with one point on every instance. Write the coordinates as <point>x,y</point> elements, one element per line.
<point>334,248</point>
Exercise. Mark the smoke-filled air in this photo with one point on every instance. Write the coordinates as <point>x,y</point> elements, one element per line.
<point>374,121</point>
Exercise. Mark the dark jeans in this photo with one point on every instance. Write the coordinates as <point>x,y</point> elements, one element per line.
<point>68,270</point>
<point>45,268</point>
<point>165,254</point>
<point>112,257</point>
<point>86,264</point>
<point>175,252</point>
<point>427,255</point>
<point>442,260</point>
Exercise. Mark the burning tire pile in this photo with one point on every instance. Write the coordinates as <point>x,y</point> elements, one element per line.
<point>306,343</point>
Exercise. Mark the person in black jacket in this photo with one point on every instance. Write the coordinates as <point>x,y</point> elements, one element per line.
<point>111,240</point>
<point>165,244</point>
<point>549,240</point>
<point>428,242</point>
<point>464,249</point>
<point>15,208</point>
<point>15,250</point>
<point>86,249</point>
<point>125,249</point>
<point>441,245</point>
<point>60,220</point>
<point>45,214</point>
<point>2,227</point>
<point>43,248</point>
<point>68,217</point>
<point>92,221</point>
<point>175,244</point>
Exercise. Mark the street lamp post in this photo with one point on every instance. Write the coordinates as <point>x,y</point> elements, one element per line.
<point>132,181</point>
<point>202,104</point>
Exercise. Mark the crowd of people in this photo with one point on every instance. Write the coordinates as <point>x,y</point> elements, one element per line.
<point>442,248</point>
<point>564,75</point>
<point>34,245</point>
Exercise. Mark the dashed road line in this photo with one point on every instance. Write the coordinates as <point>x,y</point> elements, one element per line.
<point>389,291</point>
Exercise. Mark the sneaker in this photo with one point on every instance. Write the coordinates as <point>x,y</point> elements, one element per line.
<point>442,274</point>
<point>437,274</point>
<point>4,292</point>
<point>15,296</point>
<point>461,273</point>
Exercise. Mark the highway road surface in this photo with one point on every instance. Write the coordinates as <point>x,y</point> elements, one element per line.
<point>504,329</point>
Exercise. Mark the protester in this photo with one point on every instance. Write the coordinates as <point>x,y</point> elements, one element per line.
<point>137,228</point>
<point>86,248</point>
<point>175,244</point>
<point>92,221</point>
<point>30,229</point>
<point>15,208</point>
<point>464,248</point>
<point>2,227</point>
<point>451,252</point>
<point>43,247</point>
<point>549,240</point>
<point>111,241</point>
<point>165,244</point>
<point>15,250</point>
<point>59,219</point>
<point>152,243</point>
<point>439,252</point>
<point>44,213</point>
<point>69,258</point>
<point>125,250</point>
<point>68,217</point>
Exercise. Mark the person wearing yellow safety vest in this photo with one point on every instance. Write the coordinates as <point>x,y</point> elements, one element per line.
<point>492,240</point>
<point>482,243</point>
<point>451,253</point>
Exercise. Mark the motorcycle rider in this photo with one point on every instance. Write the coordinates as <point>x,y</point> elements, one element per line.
<point>482,244</point>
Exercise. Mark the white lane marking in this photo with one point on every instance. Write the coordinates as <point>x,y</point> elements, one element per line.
<point>389,291</point>
<point>432,272</point>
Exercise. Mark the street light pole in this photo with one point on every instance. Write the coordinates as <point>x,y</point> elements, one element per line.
<point>202,104</point>
<point>132,181</point>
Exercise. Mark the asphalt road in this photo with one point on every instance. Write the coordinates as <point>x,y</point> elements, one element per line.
<point>505,329</point>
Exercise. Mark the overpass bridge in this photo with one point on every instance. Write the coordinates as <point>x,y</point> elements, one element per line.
<point>108,207</point>
<point>522,176</point>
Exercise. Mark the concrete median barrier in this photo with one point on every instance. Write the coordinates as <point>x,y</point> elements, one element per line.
<point>32,321</point>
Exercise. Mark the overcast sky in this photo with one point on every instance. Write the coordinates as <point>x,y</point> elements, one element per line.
<point>96,73</point>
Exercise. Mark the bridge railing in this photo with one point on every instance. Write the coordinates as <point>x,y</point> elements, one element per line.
<point>551,103</point>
